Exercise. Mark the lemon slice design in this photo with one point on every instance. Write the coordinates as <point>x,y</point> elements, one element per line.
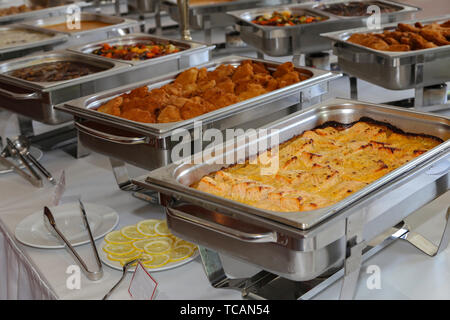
<point>131,233</point>
<point>181,242</point>
<point>180,253</point>
<point>158,261</point>
<point>118,249</point>
<point>147,227</point>
<point>157,247</point>
<point>115,237</point>
<point>161,228</point>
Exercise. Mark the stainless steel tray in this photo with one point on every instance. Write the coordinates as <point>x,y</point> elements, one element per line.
<point>20,50</point>
<point>213,15</point>
<point>293,40</point>
<point>195,51</point>
<point>392,70</point>
<point>302,245</point>
<point>149,146</point>
<point>118,26</point>
<point>36,99</point>
<point>42,13</point>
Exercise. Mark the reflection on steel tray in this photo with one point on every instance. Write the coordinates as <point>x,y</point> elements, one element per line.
<point>303,245</point>
<point>304,38</point>
<point>149,145</point>
<point>392,70</point>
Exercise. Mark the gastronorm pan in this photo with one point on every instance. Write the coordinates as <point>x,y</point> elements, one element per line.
<point>216,12</point>
<point>118,26</point>
<point>191,54</point>
<point>41,13</point>
<point>19,50</point>
<point>302,245</point>
<point>36,99</point>
<point>149,145</point>
<point>304,38</point>
<point>392,70</point>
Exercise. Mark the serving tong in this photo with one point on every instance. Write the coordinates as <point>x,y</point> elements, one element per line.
<point>19,149</point>
<point>50,223</point>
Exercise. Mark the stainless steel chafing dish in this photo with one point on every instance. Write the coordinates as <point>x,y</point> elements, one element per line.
<point>304,38</point>
<point>36,99</point>
<point>212,15</point>
<point>392,70</point>
<point>41,13</point>
<point>303,245</point>
<point>118,26</point>
<point>20,50</point>
<point>191,54</point>
<point>149,145</point>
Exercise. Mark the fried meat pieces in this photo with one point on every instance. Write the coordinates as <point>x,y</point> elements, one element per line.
<point>198,91</point>
<point>406,37</point>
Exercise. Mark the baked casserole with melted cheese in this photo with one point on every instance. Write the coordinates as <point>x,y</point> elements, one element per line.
<point>320,167</point>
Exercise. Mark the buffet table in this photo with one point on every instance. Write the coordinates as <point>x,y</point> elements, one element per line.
<point>30,273</point>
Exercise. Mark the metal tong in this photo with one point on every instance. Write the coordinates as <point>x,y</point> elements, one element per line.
<point>19,148</point>
<point>34,178</point>
<point>91,275</point>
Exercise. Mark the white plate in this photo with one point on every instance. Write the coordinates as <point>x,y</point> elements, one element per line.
<point>31,231</point>
<point>116,264</point>
<point>35,152</point>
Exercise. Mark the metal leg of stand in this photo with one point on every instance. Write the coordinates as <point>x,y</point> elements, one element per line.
<point>213,267</point>
<point>158,18</point>
<point>121,174</point>
<point>426,246</point>
<point>207,29</point>
<point>353,87</point>
<point>124,182</point>
<point>259,55</point>
<point>25,126</point>
<point>354,250</point>
<point>418,98</point>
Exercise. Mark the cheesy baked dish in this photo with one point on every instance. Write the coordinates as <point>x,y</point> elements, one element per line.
<point>319,167</point>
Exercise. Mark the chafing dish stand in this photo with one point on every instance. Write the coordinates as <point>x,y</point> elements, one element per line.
<point>265,285</point>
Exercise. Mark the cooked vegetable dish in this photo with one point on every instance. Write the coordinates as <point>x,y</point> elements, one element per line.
<point>286,18</point>
<point>138,51</point>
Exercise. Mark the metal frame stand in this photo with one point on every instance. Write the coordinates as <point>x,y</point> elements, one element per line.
<point>62,138</point>
<point>124,182</point>
<point>265,285</point>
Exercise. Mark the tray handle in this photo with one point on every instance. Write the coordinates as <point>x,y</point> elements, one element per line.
<point>109,137</point>
<point>19,96</point>
<point>270,236</point>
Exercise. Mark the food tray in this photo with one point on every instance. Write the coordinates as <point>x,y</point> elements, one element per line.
<point>36,99</point>
<point>392,70</point>
<point>192,53</point>
<point>118,26</point>
<point>42,13</point>
<point>304,38</point>
<point>20,50</point>
<point>149,145</point>
<point>213,15</point>
<point>302,245</point>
